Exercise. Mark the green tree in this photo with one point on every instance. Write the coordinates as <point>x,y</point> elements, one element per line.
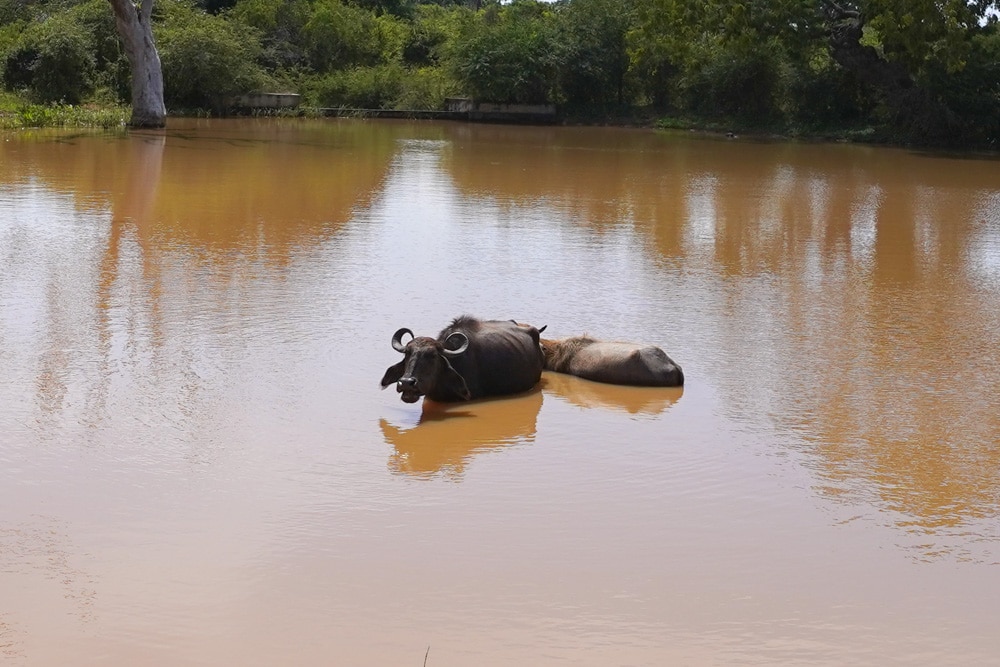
<point>13,11</point>
<point>904,50</point>
<point>661,42</point>
<point>53,60</point>
<point>902,61</point>
<point>964,104</point>
<point>723,57</point>
<point>737,81</point>
<point>338,35</point>
<point>512,56</point>
<point>595,62</point>
<point>112,73</point>
<point>434,32</point>
<point>281,24</point>
<point>922,33</point>
<point>206,59</point>
<point>399,8</point>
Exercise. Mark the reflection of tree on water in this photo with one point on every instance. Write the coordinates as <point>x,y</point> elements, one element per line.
<point>448,436</point>
<point>914,410</point>
<point>10,645</point>
<point>875,348</point>
<point>838,278</point>
<point>132,202</point>
<point>40,549</point>
<point>204,224</point>
<point>265,190</point>
<point>639,401</point>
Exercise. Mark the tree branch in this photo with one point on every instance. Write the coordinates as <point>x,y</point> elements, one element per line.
<point>838,12</point>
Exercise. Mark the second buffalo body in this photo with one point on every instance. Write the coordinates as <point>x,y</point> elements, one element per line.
<point>612,362</point>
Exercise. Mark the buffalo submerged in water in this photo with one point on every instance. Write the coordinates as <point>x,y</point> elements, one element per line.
<point>470,358</point>
<point>612,362</point>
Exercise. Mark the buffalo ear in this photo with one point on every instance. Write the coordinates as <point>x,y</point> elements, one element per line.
<point>454,381</point>
<point>393,373</point>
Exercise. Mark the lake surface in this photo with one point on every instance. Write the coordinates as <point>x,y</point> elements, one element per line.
<point>197,466</point>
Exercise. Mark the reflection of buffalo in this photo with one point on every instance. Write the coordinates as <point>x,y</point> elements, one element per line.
<point>448,435</point>
<point>634,400</point>
<point>612,362</point>
<point>469,359</point>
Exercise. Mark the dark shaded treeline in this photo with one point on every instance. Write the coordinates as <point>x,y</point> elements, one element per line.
<point>919,71</point>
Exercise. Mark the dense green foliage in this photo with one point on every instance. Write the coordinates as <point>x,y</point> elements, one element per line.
<point>898,70</point>
<point>207,59</point>
<point>512,55</point>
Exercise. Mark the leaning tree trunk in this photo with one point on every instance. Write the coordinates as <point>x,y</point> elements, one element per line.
<point>135,27</point>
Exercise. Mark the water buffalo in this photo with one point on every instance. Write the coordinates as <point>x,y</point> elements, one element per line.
<point>612,362</point>
<point>469,359</point>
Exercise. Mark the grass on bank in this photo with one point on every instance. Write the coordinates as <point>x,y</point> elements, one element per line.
<point>849,134</point>
<point>17,113</point>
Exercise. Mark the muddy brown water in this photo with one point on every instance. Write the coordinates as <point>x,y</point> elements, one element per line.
<point>197,466</point>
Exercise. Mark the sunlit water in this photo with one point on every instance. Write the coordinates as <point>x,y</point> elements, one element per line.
<point>197,466</point>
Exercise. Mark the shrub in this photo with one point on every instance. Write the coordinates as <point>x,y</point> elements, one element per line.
<point>206,60</point>
<point>432,33</point>
<point>112,73</point>
<point>825,96</point>
<point>740,81</point>
<point>281,24</point>
<point>963,106</point>
<point>52,61</point>
<point>593,73</point>
<point>360,87</point>
<point>426,88</point>
<point>339,35</point>
<point>13,11</point>
<point>513,58</point>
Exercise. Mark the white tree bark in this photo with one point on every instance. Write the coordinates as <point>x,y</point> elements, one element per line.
<point>135,27</point>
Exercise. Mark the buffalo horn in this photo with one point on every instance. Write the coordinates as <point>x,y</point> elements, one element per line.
<point>397,339</point>
<point>463,343</point>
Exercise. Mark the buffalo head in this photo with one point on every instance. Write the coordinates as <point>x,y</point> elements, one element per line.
<point>425,368</point>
